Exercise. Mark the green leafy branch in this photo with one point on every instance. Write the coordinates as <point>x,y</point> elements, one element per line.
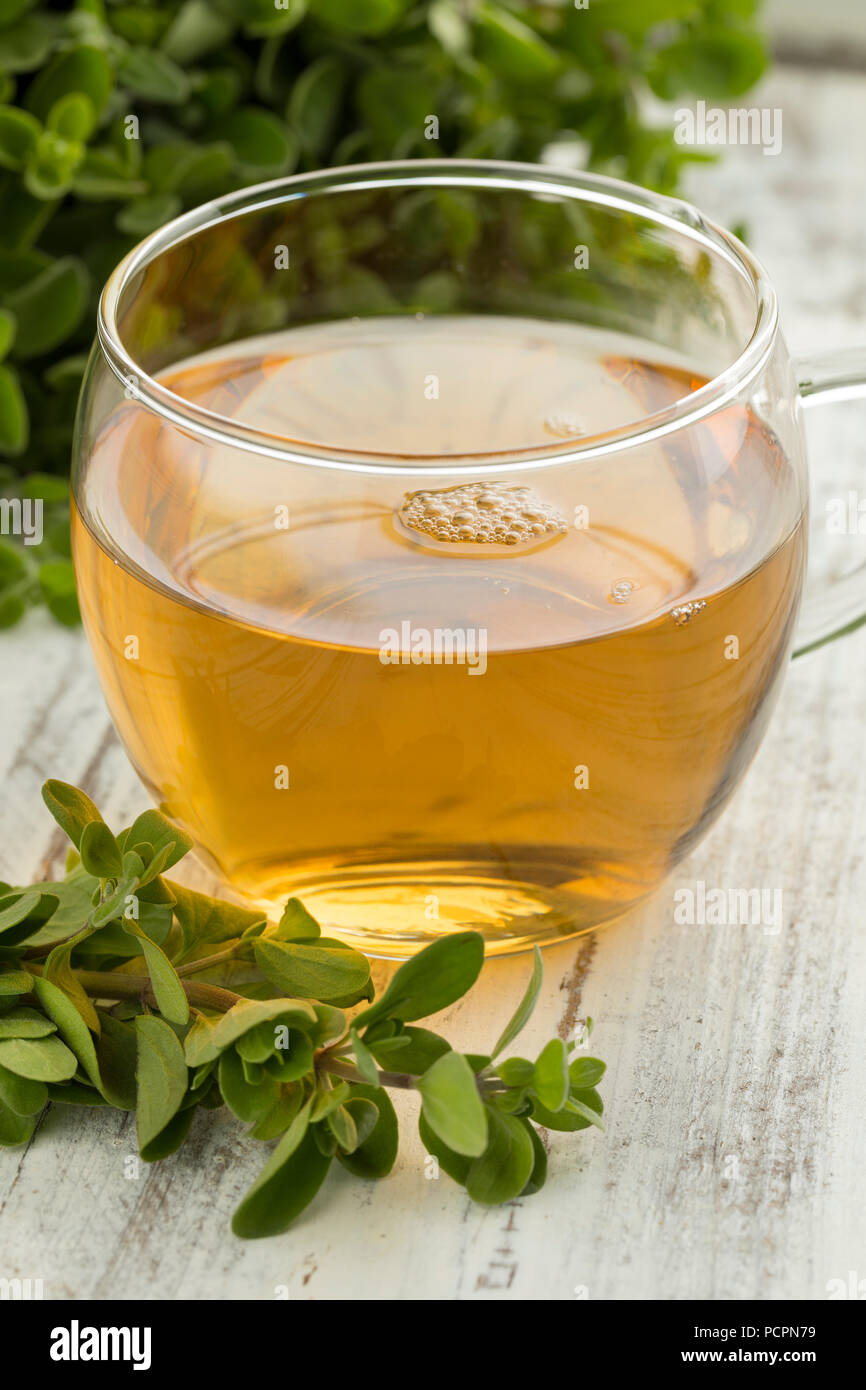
<point>40,572</point>
<point>228,92</point>
<point>120,987</point>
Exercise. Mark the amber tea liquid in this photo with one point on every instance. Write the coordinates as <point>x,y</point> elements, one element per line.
<point>608,633</point>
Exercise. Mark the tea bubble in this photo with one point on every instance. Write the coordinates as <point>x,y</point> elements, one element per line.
<point>480,514</point>
<point>686,611</point>
<point>622,590</point>
<point>564,424</point>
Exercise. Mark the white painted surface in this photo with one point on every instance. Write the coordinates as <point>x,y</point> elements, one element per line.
<point>722,1042</point>
<point>792,22</point>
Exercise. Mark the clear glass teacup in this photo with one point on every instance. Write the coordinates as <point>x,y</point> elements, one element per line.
<point>440,530</point>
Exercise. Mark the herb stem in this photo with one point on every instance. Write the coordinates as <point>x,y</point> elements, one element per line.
<point>111,984</point>
<point>205,962</point>
<point>397,1080</point>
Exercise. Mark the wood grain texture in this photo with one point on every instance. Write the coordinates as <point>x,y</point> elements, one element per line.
<point>733,1165</point>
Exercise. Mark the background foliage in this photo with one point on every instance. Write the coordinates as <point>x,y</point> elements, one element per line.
<point>231,92</point>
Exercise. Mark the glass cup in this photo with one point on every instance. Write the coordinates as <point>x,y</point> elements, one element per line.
<point>440,531</point>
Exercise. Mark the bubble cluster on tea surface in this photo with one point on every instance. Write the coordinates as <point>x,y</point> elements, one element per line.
<point>480,515</point>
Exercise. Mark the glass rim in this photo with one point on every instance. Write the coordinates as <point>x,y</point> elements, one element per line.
<point>550,180</point>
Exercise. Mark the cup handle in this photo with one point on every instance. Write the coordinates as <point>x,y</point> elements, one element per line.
<point>839,605</point>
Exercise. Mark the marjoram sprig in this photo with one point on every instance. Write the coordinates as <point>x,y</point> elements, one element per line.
<point>119,987</point>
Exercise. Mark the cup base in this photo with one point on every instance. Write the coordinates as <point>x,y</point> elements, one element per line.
<point>394,910</point>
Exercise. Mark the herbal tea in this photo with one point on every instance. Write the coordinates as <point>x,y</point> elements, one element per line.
<point>506,701</point>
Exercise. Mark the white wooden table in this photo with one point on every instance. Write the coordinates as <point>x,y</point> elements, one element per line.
<point>733,1165</point>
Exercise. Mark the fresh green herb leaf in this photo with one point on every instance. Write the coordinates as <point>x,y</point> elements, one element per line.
<point>550,1075</point>
<point>15,982</point>
<point>430,981</point>
<point>452,1106</point>
<point>71,808</point>
<point>209,920</point>
<point>287,1183</point>
<point>41,1059</point>
<point>24,1022</point>
<point>59,972</point>
<point>165,838</point>
<point>20,1094</point>
<point>117,1057</point>
<point>585,1072</point>
<point>207,1038</point>
<point>98,849</point>
<point>377,1149</point>
<point>456,1165</point>
<point>17,908</point>
<point>329,1100</point>
<point>341,1123</point>
<point>296,924</point>
<point>524,1009</point>
<point>70,1025</point>
<point>167,988</point>
<point>516,1071</point>
<point>161,1075</point>
<point>15,1129</point>
<point>538,1176</point>
<point>574,1115</point>
<point>169,1140</point>
<point>314,972</point>
<point>413,1050</point>
<point>501,1173</point>
<point>281,1114</point>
